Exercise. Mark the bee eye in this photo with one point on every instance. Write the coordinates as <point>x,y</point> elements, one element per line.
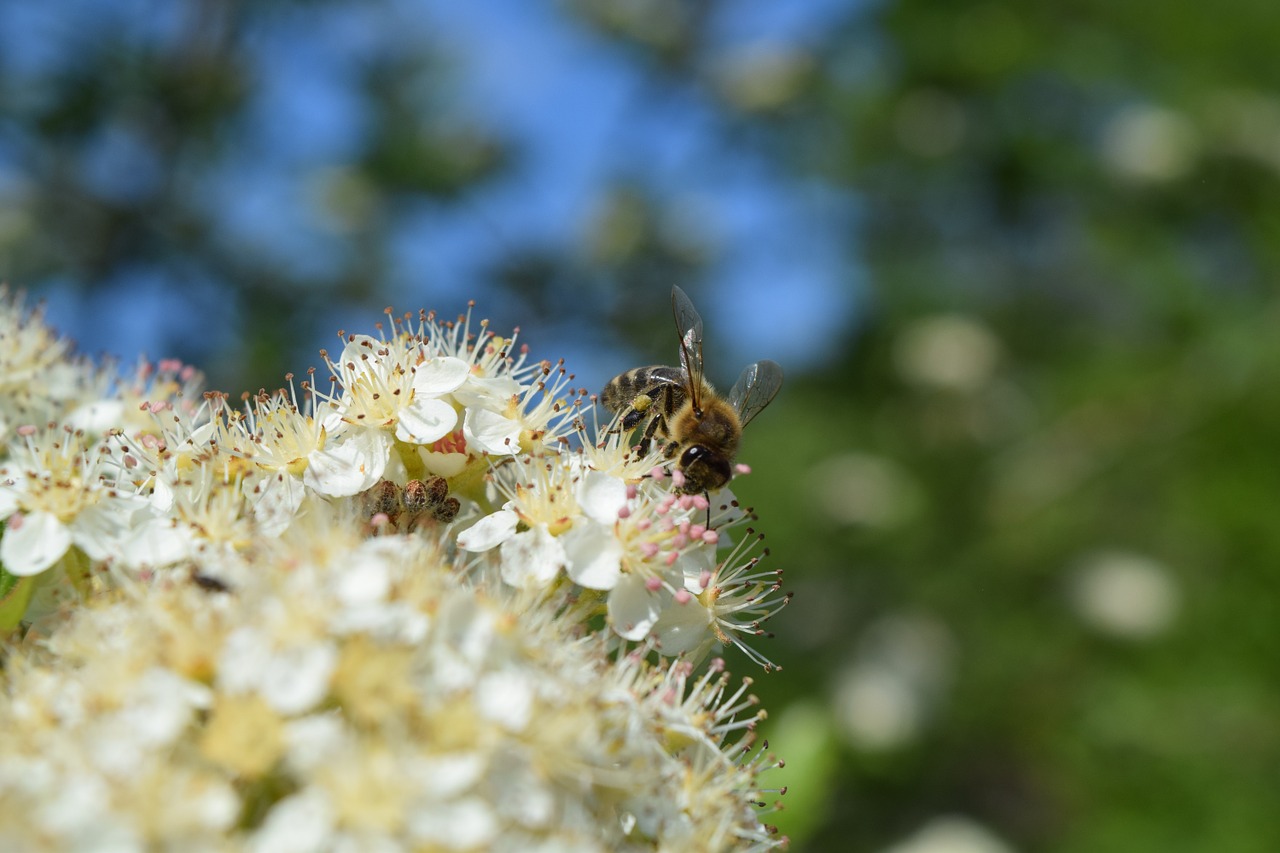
<point>710,470</point>
<point>693,454</point>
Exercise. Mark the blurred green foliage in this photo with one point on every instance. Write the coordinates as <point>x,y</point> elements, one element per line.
<point>1029,509</point>
<point>1028,504</point>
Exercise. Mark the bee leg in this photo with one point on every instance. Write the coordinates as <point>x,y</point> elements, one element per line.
<point>626,423</point>
<point>659,420</point>
<point>632,418</point>
<point>650,429</point>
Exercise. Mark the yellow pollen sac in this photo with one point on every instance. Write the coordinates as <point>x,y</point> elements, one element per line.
<point>529,440</point>
<point>238,466</point>
<point>185,463</point>
<point>296,467</point>
<point>642,402</point>
<point>708,599</point>
<point>676,741</point>
<point>560,525</point>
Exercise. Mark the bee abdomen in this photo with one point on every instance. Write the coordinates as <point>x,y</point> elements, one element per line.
<point>623,389</point>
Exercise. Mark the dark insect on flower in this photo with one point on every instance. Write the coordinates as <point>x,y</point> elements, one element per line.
<point>209,583</point>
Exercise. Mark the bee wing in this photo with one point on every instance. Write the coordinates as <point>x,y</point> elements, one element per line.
<point>755,389</point>
<point>689,327</point>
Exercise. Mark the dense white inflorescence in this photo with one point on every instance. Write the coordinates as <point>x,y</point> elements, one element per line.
<point>417,604</point>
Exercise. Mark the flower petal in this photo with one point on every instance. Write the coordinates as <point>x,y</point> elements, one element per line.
<point>351,467</point>
<point>297,678</point>
<point>601,496</point>
<point>443,464</point>
<point>8,501</point>
<point>489,532</point>
<point>532,558</point>
<point>490,432</point>
<point>156,542</point>
<point>98,416</point>
<point>439,375</point>
<point>492,392</point>
<point>425,420</point>
<point>357,358</point>
<point>33,542</point>
<point>98,529</point>
<point>275,500</point>
<point>299,822</point>
<point>683,626</point>
<point>633,609</point>
<point>593,556</point>
<point>506,698</point>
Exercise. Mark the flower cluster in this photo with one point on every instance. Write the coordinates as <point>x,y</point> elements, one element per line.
<point>416,603</point>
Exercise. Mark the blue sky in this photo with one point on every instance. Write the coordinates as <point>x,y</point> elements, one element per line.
<point>581,111</point>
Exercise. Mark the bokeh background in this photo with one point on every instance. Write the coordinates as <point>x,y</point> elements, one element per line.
<point>1018,258</point>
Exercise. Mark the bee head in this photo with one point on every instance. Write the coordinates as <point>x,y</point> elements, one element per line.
<point>704,470</point>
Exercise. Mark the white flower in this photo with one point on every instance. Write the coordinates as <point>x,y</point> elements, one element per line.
<point>37,379</point>
<point>276,439</point>
<point>291,678</point>
<point>300,823</point>
<point>506,698</point>
<point>57,491</point>
<point>391,391</point>
<point>464,824</point>
<point>289,664</point>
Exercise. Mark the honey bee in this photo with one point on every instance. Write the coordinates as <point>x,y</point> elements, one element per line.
<point>701,429</point>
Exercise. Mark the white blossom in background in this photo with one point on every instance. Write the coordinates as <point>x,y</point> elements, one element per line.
<point>951,834</point>
<point>889,690</point>
<point>1126,595</point>
<point>37,372</point>
<point>415,604</point>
